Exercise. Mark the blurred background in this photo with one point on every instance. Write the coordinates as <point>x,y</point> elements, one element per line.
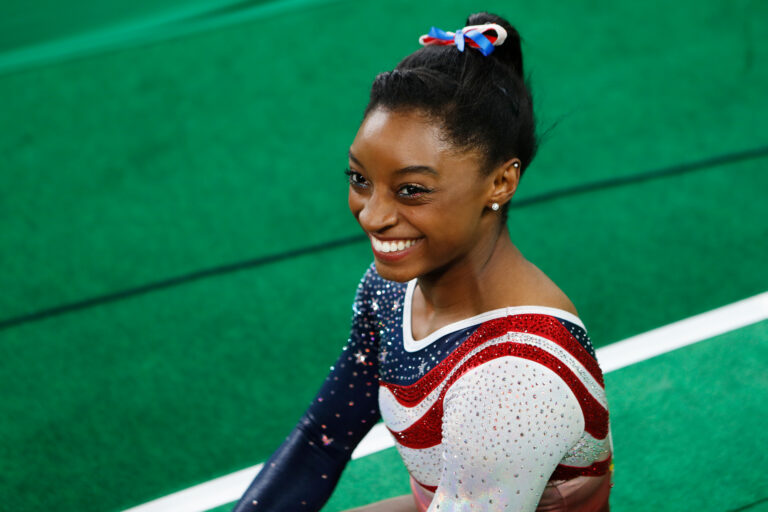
<point>177,261</point>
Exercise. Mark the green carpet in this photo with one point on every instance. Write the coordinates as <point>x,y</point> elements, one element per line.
<point>167,156</point>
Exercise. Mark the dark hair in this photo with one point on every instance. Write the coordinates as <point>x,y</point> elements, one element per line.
<point>480,102</point>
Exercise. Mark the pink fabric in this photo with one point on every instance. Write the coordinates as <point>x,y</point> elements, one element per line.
<point>421,496</point>
<point>580,494</point>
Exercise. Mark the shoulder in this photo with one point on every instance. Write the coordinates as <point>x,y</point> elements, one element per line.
<point>370,280</point>
<point>375,291</point>
<point>534,288</point>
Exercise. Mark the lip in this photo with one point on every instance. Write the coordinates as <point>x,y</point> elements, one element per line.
<point>393,256</point>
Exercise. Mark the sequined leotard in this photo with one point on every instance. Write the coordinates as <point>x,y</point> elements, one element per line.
<point>487,413</point>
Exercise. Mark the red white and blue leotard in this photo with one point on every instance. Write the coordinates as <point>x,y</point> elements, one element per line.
<point>485,412</point>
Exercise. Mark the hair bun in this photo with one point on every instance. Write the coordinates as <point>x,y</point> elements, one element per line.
<point>481,102</point>
<point>508,53</point>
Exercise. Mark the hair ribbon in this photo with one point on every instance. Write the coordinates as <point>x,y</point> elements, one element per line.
<point>473,35</point>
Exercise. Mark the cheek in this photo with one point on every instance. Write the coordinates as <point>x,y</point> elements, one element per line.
<point>460,211</point>
<point>454,225</point>
<point>446,224</point>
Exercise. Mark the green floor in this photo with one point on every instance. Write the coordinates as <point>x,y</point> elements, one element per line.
<point>161,157</point>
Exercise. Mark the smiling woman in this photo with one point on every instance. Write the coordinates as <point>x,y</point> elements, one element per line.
<point>416,187</point>
<point>476,361</point>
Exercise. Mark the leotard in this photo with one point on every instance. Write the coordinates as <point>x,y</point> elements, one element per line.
<point>487,413</point>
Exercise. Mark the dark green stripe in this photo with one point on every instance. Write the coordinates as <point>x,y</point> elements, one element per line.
<point>676,170</point>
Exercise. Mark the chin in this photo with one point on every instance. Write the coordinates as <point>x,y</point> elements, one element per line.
<point>390,272</point>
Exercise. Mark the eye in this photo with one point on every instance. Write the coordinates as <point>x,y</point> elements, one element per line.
<point>411,191</point>
<point>356,179</point>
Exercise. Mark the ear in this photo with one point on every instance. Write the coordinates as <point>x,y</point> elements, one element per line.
<point>505,179</point>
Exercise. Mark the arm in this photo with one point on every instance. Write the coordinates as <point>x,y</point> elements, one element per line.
<point>506,425</point>
<point>303,472</point>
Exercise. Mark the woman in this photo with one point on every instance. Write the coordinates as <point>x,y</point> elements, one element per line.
<point>476,361</point>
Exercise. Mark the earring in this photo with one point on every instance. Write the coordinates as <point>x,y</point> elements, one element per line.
<point>495,207</point>
<point>516,164</point>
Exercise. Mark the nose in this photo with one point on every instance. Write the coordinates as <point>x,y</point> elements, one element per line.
<point>378,213</point>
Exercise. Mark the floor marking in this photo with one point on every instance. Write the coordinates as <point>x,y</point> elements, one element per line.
<point>229,488</point>
<point>148,29</point>
<point>249,264</point>
<point>685,332</point>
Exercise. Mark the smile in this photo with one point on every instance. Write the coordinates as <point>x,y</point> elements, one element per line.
<point>392,245</point>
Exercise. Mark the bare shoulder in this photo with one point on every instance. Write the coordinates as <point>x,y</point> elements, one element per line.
<point>535,288</point>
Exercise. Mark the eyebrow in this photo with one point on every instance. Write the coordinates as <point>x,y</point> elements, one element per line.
<point>411,169</point>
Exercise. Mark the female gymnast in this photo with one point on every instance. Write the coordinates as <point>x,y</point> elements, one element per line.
<point>476,361</point>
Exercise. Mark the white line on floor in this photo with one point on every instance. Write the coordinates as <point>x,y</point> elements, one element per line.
<point>617,355</point>
<point>684,332</point>
<point>230,487</point>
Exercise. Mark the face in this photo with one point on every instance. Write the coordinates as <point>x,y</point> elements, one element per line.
<point>422,203</point>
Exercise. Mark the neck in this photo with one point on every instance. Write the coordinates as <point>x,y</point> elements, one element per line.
<point>470,286</point>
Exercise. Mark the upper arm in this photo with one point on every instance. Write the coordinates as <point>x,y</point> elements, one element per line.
<point>346,406</point>
<point>303,471</point>
<point>506,425</point>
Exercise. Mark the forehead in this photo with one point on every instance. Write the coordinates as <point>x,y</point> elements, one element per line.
<point>396,139</point>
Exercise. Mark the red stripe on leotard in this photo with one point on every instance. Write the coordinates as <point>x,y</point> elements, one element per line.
<point>563,472</point>
<point>545,326</point>
<point>427,430</point>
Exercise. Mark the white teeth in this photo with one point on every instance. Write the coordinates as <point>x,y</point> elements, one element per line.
<point>392,246</point>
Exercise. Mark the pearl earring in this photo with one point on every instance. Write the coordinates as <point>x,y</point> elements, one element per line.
<point>495,207</point>
<point>516,164</point>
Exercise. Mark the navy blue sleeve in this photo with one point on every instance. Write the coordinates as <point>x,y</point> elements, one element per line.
<point>303,472</point>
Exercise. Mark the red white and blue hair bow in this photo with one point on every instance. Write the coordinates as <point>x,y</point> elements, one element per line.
<point>476,36</point>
